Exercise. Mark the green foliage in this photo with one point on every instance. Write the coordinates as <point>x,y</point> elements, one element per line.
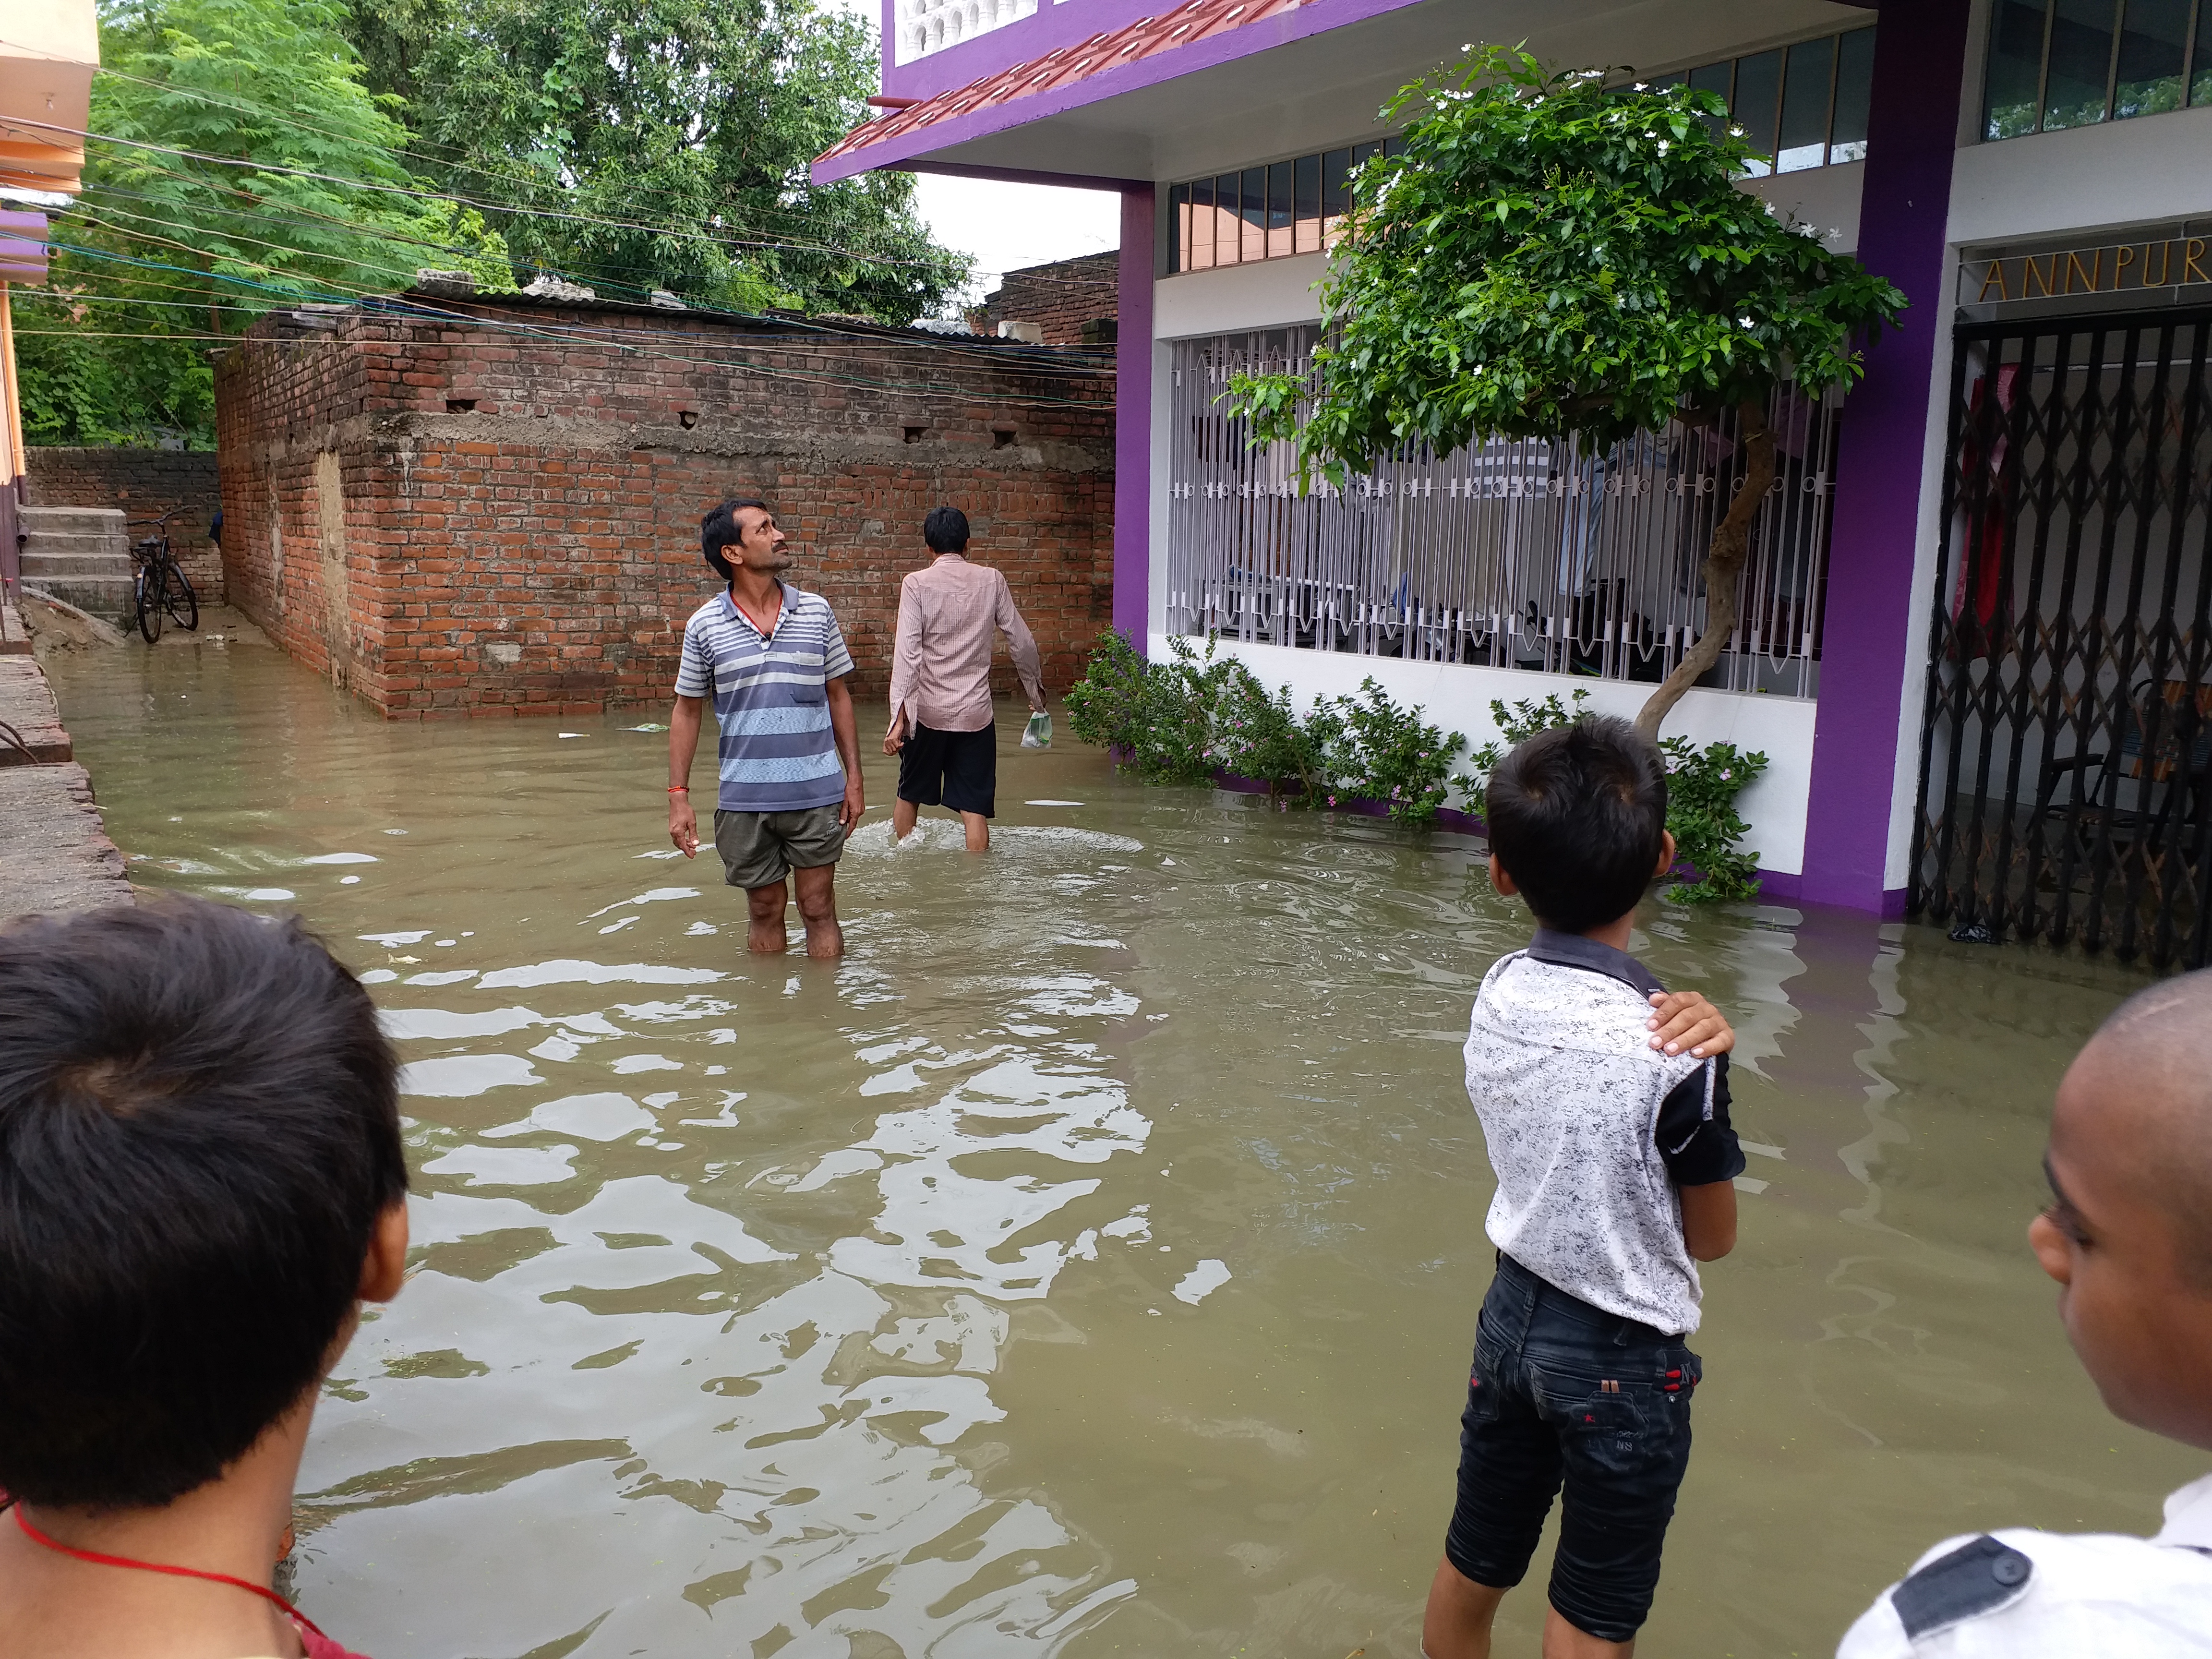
<point>1373,749</point>
<point>1106,707</point>
<point>1523,721</point>
<point>1194,717</point>
<point>1551,256</point>
<point>1702,789</point>
<point>1701,786</point>
<point>690,124</point>
<point>1258,735</point>
<point>165,250</point>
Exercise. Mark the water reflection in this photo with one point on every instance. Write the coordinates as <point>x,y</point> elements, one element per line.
<point>1088,1263</point>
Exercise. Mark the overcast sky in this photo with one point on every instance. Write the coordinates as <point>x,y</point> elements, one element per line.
<point>1008,226</point>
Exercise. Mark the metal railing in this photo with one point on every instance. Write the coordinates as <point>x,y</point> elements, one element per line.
<point>1516,554</point>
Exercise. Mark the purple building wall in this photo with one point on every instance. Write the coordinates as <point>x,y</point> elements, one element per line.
<point>1871,618</point>
<point>1133,422</point>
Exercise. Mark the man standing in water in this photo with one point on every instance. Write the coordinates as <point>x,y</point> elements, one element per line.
<point>774,662</point>
<point>941,728</point>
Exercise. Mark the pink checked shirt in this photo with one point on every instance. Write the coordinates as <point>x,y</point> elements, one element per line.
<point>941,662</point>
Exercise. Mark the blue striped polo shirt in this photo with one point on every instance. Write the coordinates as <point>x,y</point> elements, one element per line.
<point>771,699</point>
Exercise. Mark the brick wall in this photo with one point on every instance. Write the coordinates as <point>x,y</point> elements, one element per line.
<point>502,515</point>
<point>1071,298</point>
<point>144,483</point>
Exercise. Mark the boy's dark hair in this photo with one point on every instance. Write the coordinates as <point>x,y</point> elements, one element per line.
<point>1576,815</point>
<point>720,529</point>
<point>945,529</point>
<point>199,1128</point>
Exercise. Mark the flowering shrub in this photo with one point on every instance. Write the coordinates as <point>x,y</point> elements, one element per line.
<point>1702,787</point>
<point>1193,716</point>
<point>1373,749</point>
<point>1159,717</point>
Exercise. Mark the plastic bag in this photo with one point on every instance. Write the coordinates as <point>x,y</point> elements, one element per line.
<point>1037,734</point>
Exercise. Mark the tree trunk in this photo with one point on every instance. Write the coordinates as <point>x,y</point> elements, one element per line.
<point>1723,564</point>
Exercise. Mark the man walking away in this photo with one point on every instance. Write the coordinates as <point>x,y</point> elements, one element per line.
<point>941,728</point>
<point>773,660</point>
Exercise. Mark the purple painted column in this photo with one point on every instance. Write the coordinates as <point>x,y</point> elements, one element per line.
<point>1132,422</point>
<point>1873,613</point>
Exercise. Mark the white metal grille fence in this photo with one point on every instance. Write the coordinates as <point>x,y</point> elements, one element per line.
<point>1516,555</point>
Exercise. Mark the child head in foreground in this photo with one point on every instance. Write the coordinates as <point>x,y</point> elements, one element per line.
<point>201,1179</point>
<point>1577,819</point>
<point>2129,1232</point>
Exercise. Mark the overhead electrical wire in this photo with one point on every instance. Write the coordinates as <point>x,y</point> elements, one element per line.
<point>993,354</point>
<point>417,193</point>
<point>613,338</point>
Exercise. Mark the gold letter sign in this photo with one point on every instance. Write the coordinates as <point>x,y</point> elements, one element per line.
<point>2113,268</point>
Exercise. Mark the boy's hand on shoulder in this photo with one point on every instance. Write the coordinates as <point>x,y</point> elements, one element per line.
<point>1683,1022</point>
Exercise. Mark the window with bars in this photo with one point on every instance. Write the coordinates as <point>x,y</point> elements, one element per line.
<point>1270,212</point>
<point>1800,106</point>
<point>2059,64</point>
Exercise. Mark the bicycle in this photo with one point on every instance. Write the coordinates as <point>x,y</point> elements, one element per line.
<point>161,584</point>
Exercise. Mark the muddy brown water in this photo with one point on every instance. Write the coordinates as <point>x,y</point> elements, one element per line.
<point>1088,1264</point>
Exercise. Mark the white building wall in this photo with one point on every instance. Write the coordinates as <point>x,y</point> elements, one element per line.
<point>2120,173</point>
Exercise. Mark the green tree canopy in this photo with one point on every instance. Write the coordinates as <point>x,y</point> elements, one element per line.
<point>676,136</point>
<point>1550,256</point>
<point>239,163</point>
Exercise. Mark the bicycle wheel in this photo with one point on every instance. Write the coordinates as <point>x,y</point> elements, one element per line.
<point>148,606</point>
<point>178,597</point>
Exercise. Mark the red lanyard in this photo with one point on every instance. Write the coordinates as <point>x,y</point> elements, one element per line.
<point>99,1561</point>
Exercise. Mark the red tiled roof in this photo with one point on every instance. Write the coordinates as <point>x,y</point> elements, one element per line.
<point>1127,45</point>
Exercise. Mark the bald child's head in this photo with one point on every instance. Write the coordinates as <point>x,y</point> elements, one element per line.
<point>2128,1234</point>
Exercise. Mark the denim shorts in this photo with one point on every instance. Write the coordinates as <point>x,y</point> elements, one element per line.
<point>1562,1391</point>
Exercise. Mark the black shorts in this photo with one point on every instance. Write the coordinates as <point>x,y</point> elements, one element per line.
<point>958,769</point>
<point>1564,1394</point>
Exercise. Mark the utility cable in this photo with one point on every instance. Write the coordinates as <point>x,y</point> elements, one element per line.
<point>558,334</point>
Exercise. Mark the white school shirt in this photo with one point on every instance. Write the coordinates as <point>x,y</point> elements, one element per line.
<point>2020,1594</point>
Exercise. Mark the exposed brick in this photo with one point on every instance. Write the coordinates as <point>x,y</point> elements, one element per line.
<point>406,551</point>
<point>1073,301</point>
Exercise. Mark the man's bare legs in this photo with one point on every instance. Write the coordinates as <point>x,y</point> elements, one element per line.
<point>817,909</point>
<point>904,814</point>
<point>1458,1624</point>
<point>764,933</point>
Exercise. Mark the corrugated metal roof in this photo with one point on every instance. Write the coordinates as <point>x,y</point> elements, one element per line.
<point>1198,20</point>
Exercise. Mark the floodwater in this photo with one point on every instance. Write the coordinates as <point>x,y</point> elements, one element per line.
<point>1088,1264</point>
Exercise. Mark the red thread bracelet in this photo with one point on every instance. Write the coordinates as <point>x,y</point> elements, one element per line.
<point>679,789</point>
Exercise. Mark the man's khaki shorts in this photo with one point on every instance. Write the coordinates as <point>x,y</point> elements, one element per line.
<point>759,849</point>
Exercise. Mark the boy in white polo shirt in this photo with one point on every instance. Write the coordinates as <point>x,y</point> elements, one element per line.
<point>1604,1105</point>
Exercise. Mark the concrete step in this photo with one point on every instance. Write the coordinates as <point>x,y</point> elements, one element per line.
<point>109,600</point>
<point>73,520</point>
<point>39,564</point>
<point>103,547</point>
